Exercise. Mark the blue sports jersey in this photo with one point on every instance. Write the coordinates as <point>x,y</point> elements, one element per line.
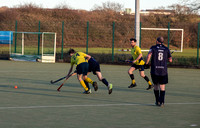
<point>93,66</point>
<point>160,57</point>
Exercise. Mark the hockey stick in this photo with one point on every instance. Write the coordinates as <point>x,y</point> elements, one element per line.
<point>173,51</point>
<point>127,61</point>
<point>52,82</point>
<point>67,77</point>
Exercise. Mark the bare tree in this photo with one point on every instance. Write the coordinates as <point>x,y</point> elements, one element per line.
<point>193,4</point>
<point>63,5</point>
<point>181,9</point>
<point>109,6</point>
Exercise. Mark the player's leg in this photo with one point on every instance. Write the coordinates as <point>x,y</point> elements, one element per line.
<point>85,72</point>
<point>87,79</point>
<point>162,94</point>
<point>157,94</point>
<point>99,76</point>
<point>163,81</point>
<point>146,78</point>
<point>104,81</point>
<point>86,83</point>
<point>156,89</point>
<point>82,73</point>
<point>130,72</point>
<point>82,82</point>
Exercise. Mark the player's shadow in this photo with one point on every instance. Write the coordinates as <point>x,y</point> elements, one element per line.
<point>37,91</point>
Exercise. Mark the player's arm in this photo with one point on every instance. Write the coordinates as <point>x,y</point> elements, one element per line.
<point>170,59</point>
<point>149,56</point>
<point>87,57</point>
<point>70,70</point>
<point>140,55</point>
<point>169,56</point>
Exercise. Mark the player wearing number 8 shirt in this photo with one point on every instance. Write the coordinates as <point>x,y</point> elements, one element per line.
<point>159,55</point>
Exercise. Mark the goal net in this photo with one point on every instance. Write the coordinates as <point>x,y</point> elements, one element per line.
<point>33,46</point>
<point>174,36</point>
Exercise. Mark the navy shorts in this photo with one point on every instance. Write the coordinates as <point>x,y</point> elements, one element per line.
<point>159,79</point>
<point>82,68</point>
<point>94,67</point>
<point>140,67</point>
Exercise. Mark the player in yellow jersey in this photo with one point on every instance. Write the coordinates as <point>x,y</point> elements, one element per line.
<point>137,63</point>
<point>79,59</point>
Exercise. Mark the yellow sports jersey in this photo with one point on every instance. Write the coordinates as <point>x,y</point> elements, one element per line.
<point>78,58</point>
<point>135,52</point>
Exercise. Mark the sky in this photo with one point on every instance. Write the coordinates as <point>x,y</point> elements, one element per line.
<point>89,4</point>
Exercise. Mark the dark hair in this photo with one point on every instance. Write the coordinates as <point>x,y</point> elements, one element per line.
<point>133,39</point>
<point>160,39</point>
<point>71,51</point>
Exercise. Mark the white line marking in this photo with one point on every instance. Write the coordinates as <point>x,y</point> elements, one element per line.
<point>92,105</point>
<point>193,125</point>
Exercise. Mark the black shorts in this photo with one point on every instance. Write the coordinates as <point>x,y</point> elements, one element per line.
<point>94,67</point>
<point>82,68</point>
<point>159,79</point>
<point>140,67</point>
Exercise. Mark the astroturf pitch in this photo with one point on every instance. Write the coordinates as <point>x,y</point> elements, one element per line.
<point>37,104</point>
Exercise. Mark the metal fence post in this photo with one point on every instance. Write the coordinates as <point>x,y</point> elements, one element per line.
<point>15,36</point>
<point>39,39</point>
<point>198,44</point>
<point>87,37</point>
<point>140,35</point>
<point>62,40</point>
<point>113,38</point>
<point>168,40</point>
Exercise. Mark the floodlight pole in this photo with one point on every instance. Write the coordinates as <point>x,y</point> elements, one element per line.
<point>137,21</point>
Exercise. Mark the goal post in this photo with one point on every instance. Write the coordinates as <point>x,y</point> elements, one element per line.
<point>175,40</point>
<point>48,54</point>
<point>28,46</point>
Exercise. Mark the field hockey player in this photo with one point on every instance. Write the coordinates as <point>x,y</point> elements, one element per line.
<point>79,59</point>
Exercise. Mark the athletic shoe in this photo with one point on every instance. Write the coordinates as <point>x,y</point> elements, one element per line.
<point>157,103</point>
<point>87,92</point>
<point>150,87</point>
<point>162,105</point>
<point>95,86</point>
<point>110,88</point>
<point>132,85</point>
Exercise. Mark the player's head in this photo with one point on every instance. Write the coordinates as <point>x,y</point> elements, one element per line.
<point>133,41</point>
<point>71,52</point>
<point>160,40</point>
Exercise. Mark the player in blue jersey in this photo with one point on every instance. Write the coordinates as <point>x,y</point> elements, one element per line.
<point>79,59</point>
<point>137,63</point>
<point>159,55</point>
<point>95,68</point>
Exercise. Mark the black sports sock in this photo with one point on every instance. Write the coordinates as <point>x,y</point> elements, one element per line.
<point>105,81</point>
<point>156,93</point>
<point>146,78</point>
<point>162,97</point>
<point>86,83</point>
<point>131,76</point>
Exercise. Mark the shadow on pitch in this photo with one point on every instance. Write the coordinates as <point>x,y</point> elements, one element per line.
<point>64,94</point>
